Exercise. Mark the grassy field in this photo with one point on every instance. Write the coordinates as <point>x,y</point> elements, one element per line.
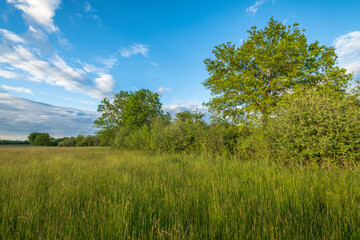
<point>100,193</point>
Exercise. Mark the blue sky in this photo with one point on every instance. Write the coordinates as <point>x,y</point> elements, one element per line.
<point>64,56</point>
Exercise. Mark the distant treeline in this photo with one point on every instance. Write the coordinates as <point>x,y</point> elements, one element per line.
<point>80,141</point>
<point>44,139</point>
<point>14,142</point>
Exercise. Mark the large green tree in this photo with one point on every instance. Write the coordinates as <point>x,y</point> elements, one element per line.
<point>40,139</point>
<point>248,81</point>
<point>128,109</point>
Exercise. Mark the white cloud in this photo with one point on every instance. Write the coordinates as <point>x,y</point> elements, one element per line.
<point>348,50</point>
<point>97,19</point>
<point>135,49</point>
<point>88,7</point>
<point>9,75</point>
<point>64,42</point>
<point>53,70</point>
<point>182,105</point>
<point>11,36</point>
<point>88,102</point>
<point>19,117</point>
<point>37,34</point>
<point>17,89</point>
<point>107,62</point>
<point>89,11</point>
<point>104,84</point>
<point>161,91</point>
<point>254,8</point>
<point>40,12</point>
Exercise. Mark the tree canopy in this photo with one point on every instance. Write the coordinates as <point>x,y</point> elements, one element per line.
<point>248,81</point>
<point>128,109</point>
<point>43,139</point>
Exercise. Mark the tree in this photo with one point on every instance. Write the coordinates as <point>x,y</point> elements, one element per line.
<point>187,116</point>
<point>32,137</point>
<point>42,139</point>
<point>248,81</point>
<point>130,110</point>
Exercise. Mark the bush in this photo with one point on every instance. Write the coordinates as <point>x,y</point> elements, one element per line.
<point>80,141</point>
<point>159,135</point>
<point>219,139</point>
<point>135,139</point>
<point>91,141</point>
<point>184,136</point>
<point>316,129</point>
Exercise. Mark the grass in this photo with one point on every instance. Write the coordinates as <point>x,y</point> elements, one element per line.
<point>100,193</point>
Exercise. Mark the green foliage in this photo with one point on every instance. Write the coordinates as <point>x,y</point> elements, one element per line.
<point>91,141</point>
<point>136,139</point>
<point>158,135</point>
<point>140,109</point>
<point>248,81</point>
<point>56,141</point>
<point>70,142</point>
<point>129,109</point>
<point>32,137</point>
<point>219,139</point>
<point>80,141</point>
<point>190,117</point>
<point>106,136</point>
<point>44,139</point>
<point>13,142</point>
<point>40,139</point>
<point>317,128</point>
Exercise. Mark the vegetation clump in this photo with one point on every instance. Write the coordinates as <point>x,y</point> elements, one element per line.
<point>317,128</point>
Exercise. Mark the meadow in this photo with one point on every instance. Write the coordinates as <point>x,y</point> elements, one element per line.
<point>103,193</point>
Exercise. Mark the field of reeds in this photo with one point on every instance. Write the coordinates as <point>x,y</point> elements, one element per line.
<point>102,193</point>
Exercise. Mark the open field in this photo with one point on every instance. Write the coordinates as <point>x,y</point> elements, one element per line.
<point>101,193</point>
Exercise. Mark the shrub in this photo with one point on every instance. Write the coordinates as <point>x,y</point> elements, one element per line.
<point>219,139</point>
<point>158,135</point>
<point>316,128</point>
<point>135,139</point>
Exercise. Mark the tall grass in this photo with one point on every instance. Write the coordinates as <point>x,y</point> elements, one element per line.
<point>100,193</point>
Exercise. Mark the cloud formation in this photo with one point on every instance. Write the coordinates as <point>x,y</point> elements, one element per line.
<point>109,62</point>
<point>17,89</point>
<point>88,7</point>
<point>90,11</point>
<point>11,36</point>
<point>19,117</point>
<point>348,50</point>
<point>9,75</point>
<point>181,106</point>
<point>161,91</point>
<point>254,8</point>
<point>39,12</point>
<point>31,63</point>
<point>135,49</point>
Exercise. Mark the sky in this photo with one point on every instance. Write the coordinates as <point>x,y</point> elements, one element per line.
<point>60,58</point>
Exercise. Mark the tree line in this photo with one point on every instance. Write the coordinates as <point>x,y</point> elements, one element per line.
<point>13,142</point>
<point>275,96</point>
<point>44,139</point>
